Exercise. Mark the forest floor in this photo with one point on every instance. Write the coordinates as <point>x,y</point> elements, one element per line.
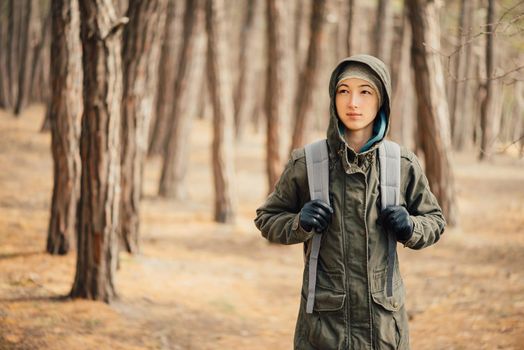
<point>201,285</point>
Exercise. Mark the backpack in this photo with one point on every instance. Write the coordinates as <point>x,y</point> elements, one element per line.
<point>317,163</point>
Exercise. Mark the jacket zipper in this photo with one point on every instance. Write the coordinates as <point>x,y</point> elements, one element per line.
<point>367,259</point>
<point>348,320</point>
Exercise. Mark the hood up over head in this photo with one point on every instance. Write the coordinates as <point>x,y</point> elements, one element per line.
<point>335,132</point>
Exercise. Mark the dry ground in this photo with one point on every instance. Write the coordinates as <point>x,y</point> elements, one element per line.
<point>200,285</point>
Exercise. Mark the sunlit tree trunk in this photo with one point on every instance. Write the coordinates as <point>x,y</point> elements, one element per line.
<point>304,95</point>
<point>384,30</point>
<point>37,89</point>
<point>4,82</point>
<point>244,91</point>
<point>166,79</point>
<point>25,56</point>
<point>98,215</point>
<point>352,38</point>
<point>66,112</point>
<point>222,101</point>
<point>401,106</point>
<point>274,106</point>
<point>462,122</point>
<point>186,89</point>
<point>486,106</point>
<point>14,8</point>
<point>140,57</point>
<point>433,114</point>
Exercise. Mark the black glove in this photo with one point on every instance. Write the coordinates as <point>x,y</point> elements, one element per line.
<point>396,218</point>
<point>315,214</point>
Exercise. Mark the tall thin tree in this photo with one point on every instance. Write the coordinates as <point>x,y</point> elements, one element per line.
<point>307,78</point>
<point>384,30</point>
<point>140,57</point>
<point>166,77</point>
<point>98,214</point>
<point>66,112</point>
<point>221,94</point>
<point>486,106</point>
<point>433,114</point>
<point>187,84</point>
<point>244,96</point>
<point>274,105</point>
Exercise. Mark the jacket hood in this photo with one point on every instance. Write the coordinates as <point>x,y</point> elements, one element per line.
<point>381,123</point>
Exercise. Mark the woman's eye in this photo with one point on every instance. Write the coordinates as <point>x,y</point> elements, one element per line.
<point>366,92</point>
<point>343,91</point>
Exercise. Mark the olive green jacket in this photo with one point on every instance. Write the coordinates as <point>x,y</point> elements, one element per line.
<point>351,309</point>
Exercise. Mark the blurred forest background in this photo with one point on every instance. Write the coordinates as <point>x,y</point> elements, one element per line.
<point>137,139</point>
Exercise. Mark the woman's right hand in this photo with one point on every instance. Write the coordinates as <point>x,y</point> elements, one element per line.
<point>315,214</point>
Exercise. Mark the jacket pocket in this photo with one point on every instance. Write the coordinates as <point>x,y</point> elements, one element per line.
<point>329,290</point>
<point>325,327</point>
<point>390,324</point>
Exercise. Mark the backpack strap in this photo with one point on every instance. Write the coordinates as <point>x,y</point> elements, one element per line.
<point>389,155</point>
<point>317,162</point>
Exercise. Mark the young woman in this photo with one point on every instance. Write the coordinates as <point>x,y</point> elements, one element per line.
<point>351,307</point>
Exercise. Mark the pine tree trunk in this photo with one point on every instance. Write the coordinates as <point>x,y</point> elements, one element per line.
<point>343,23</point>
<point>307,78</point>
<point>222,101</point>
<point>384,31</point>
<point>66,112</point>
<point>36,88</point>
<point>352,38</point>
<point>190,67</point>
<point>274,107</point>
<point>399,106</point>
<point>166,79</point>
<point>4,83</point>
<point>12,49</point>
<point>433,114</point>
<point>24,57</point>
<point>140,56</point>
<point>243,97</point>
<point>98,214</point>
<point>486,106</point>
<point>462,123</point>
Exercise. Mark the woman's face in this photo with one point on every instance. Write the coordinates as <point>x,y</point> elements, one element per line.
<point>357,104</point>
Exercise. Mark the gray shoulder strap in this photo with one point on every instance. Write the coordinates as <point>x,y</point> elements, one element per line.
<point>389,155</point>
<point>317,162</point>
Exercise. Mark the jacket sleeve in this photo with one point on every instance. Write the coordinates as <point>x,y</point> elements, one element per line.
<point>278,218</point>
<point>423,207</point>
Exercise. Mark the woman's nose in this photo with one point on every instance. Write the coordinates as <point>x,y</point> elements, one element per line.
<point>352,101</point>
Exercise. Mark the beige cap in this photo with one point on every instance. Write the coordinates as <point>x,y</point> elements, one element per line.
<point>361,71</point>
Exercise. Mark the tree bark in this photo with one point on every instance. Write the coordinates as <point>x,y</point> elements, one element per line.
<point>274,106</point>
<point>307,79</point>
<point>433,114</point>
<point>166,78</point>
<point>24,57</point>
<point>400,107</point>
<point>222,101</point>
<point>98,214</point>
<point>462,122</point>
<point>384,31</point>
<point>4,83</point>
<point>37,88</point>
<point>186,86</point>
<point>352,35</point>
<point>244,98</point>
<point>12,49</point>
<point>66,111</point>
<point>140,56</point>
<point>486,106</point>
